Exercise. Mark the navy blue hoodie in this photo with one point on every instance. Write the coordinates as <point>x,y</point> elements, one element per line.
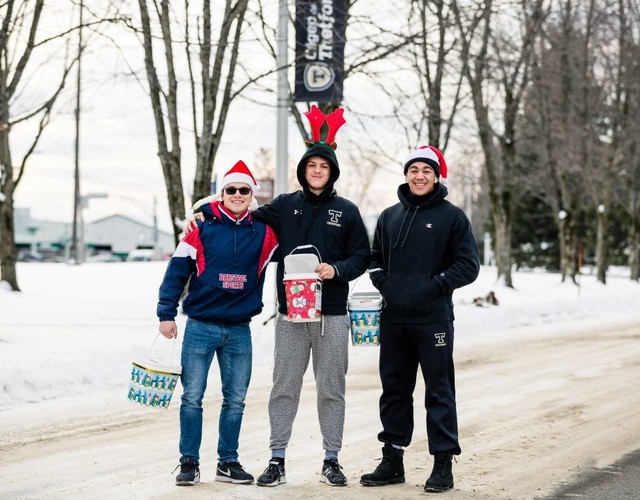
<point>223,261</point>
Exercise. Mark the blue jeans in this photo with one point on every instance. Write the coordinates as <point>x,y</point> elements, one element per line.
<point>232,344</point>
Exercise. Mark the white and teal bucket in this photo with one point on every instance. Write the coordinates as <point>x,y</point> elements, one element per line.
<point>152,381</point>
<point>364,312</point>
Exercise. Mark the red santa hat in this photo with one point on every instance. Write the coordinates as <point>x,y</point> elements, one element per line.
<point>240,173</point>
<point>430,155</point>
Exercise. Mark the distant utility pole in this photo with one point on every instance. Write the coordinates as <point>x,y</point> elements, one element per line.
<point>156,233</point>
<point>76,251</point>
<point>282,144</point>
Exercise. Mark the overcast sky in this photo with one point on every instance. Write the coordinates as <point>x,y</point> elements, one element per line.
<point>118,152</point>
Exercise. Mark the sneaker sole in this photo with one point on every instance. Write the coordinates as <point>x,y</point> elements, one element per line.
<point>326,480</point>
<point>282,480</point>
<point>225,479</point>
<point>187,483</point>
<point>366,482</point>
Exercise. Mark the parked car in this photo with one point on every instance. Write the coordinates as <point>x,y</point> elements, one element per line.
<point>104,257</point>
<point>26,256</point>
<point>141,255</point>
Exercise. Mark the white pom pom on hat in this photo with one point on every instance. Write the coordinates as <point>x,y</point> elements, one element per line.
<point>432,156</point>
<point>239,173</point>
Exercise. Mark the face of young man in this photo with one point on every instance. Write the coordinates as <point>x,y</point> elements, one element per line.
<point>421,178</point>
<point>317,174</point>
<point>233,198</point>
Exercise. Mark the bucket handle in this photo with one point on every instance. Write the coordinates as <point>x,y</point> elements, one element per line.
<point>173,346</point>
<point>355,284</point>
<point>305,247</point>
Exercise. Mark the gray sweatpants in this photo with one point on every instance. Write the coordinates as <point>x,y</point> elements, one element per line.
<point>294,343</point>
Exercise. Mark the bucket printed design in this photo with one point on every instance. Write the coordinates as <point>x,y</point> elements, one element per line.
<point>304,297</point>
<point>151,387</point>
<point>364,312</point>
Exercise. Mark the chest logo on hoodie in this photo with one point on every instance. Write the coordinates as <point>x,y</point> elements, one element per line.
<point>334,218</point>
<point>233,281</point>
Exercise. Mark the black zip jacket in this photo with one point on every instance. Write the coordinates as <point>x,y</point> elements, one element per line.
<point>424,249</point>
<point>334,226</point>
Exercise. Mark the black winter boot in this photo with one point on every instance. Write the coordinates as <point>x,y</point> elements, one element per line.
<point>390,470</point>
<point>441,478</point>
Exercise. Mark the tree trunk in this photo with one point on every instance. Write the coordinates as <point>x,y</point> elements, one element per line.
<point>7,230</point>
<point>500,200</point>
<point>567,231</point>
<point>634,245</point>
<point>601,246</point>
<point>175,196</point>
<point>503,245</point>
<point>634,238</point>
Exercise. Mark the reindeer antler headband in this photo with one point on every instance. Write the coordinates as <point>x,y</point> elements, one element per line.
<point>316,118</point>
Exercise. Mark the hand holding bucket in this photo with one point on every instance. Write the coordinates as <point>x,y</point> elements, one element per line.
<point>303,286</point>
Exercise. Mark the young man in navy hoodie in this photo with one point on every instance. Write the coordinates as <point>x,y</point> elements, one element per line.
<point>224,261</point>
<point>314,215</point>
<point>423,249</point>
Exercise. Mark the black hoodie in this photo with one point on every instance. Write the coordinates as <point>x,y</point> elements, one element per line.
<point>329,222</point>
<point>425,249</point>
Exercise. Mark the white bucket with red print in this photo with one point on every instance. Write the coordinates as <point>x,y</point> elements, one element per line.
<point>303,286</point>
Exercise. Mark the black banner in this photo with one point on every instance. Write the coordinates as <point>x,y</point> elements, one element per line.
<point>320,32</point>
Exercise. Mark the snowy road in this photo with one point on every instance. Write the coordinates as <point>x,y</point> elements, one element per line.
<point>535,408</point>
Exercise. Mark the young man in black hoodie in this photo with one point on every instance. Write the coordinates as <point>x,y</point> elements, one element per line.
<point>316,216</point>
<point>423,249</point>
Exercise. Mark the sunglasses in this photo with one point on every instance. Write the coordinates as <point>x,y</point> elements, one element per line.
<point>232,190</point>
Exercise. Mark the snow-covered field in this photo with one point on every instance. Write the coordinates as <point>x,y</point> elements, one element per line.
<point>75,329</point>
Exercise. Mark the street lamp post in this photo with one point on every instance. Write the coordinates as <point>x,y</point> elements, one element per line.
<point>84,203</point>
<point>283,100</point>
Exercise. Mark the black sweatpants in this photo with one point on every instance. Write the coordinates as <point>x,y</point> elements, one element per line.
<point>404,347</point>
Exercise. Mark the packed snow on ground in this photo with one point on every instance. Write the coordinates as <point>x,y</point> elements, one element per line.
<point>74,329</point>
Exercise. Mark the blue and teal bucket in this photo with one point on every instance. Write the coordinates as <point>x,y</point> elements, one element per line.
<point>364,312</point>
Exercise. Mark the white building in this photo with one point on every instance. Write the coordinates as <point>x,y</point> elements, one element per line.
<point>116,234</point>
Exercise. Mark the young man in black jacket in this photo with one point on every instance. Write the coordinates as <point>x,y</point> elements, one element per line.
<point>423,249</point>
<point>316,216</point>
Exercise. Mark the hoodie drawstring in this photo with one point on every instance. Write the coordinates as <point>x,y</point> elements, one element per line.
<point>406,234</point>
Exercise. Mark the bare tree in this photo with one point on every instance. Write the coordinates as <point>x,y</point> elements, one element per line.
<point>611,51</point>
<point>433,55</point>
<point>628,161</point>
<point>19,43</point>
<point>211,53</point>
<point>497,55</point>
<point>575,115</point>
